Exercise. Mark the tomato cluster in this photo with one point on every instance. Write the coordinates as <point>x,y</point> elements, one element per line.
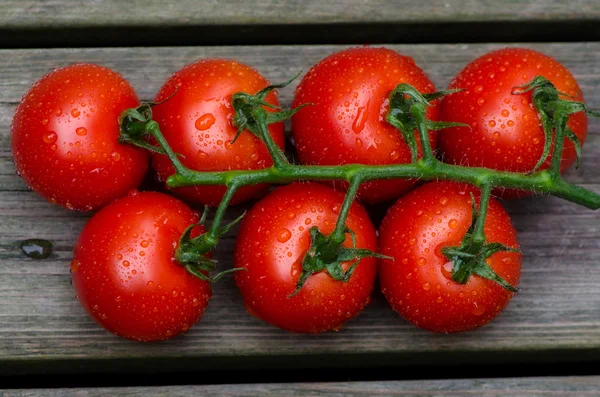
<point>127,267</point>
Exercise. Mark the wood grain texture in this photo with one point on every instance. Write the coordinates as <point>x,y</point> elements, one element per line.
<point>44,329</point>
<point>36,14</point>
<point>514,387</point>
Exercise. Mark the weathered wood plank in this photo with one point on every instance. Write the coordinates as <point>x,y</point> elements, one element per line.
<point>36,14</point>
<point>514,387</point>
<point>44,329</point>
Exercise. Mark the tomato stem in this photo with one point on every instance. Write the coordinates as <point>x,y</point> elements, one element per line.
<point>215,226</point>
<point>279,159</point>
<point>339,233</point>
<point>408,114</point>
<point>484,201</point>
<point>153,129</point>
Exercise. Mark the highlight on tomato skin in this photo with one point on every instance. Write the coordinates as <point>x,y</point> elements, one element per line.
<point>196,120</point>
<point>418,284</point>
<point>346,124</point>
<point>270,245</point>
<point>506,133</point>
<point>64,138</point>
<point>125,274</point>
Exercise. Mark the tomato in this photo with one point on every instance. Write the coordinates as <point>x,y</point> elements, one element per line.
<point>418,284</point>
<point>196,122</point>
<point>125,274</point>
<point>506,131</point>
<point>346,124</point>
<point>271,242</point>
<point>65,138</point>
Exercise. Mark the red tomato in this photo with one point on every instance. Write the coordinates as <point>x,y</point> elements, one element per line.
<point>196,122</point>
<point>65,138</point>
<point>418,284</point>
<point>346,125</point>
<point>125,274</point>
<point>506,131</point>
<point>271,242</point>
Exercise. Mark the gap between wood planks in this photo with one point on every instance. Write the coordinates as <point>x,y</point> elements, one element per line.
<point>225,377</point>
<point>337,33</point>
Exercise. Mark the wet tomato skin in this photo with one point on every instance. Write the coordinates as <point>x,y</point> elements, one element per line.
<point>418,284</point>
<point>196,121</point>
<point>346,124</point>
<point>506,131</point>
<point>64,138</point>
<point>271,243</point>
<point>125,274</point>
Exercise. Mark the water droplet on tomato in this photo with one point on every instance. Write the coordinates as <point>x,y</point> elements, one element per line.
<point>510,123</point>
<point>307,221</point>
<point>477,309</point>
<point>453,223</point>
<point>284,235</point>
<point>361,119</point>
<point>205,121</point>
<point>291,215</point>
<point>426,286</point>
<point>144,243</point>
<point>335,209</point>
<point>81,131</point>
<point>519,159</point>
<point>421,261</point>
<point>115,156</point>
<point>126,263</point>
<point>504,113</point>
<point>75,263</point>
<point>50,137</point>
<point>492,123</point>
<point>447,269</point>
<point>75,112</point>
<point>359,142</point>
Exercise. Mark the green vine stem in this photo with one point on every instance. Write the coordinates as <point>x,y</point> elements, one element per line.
<point>407,113</point>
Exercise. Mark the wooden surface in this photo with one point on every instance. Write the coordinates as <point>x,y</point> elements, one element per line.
<point>515,387</point>
<point>43,328</point>
<point>82,13</point>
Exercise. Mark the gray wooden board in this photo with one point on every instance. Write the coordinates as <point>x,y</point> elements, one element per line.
<point>514,387</point>
<point>81,13</point>
<point>43,328</point>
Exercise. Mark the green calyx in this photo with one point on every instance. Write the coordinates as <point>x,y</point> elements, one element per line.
<point>327,254</point>
<point>192,252</point>
<point>554,113</point>
<point>470,256</point>
<point>250,110</point>
<point>134,125</point>
<point>407,112</point>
